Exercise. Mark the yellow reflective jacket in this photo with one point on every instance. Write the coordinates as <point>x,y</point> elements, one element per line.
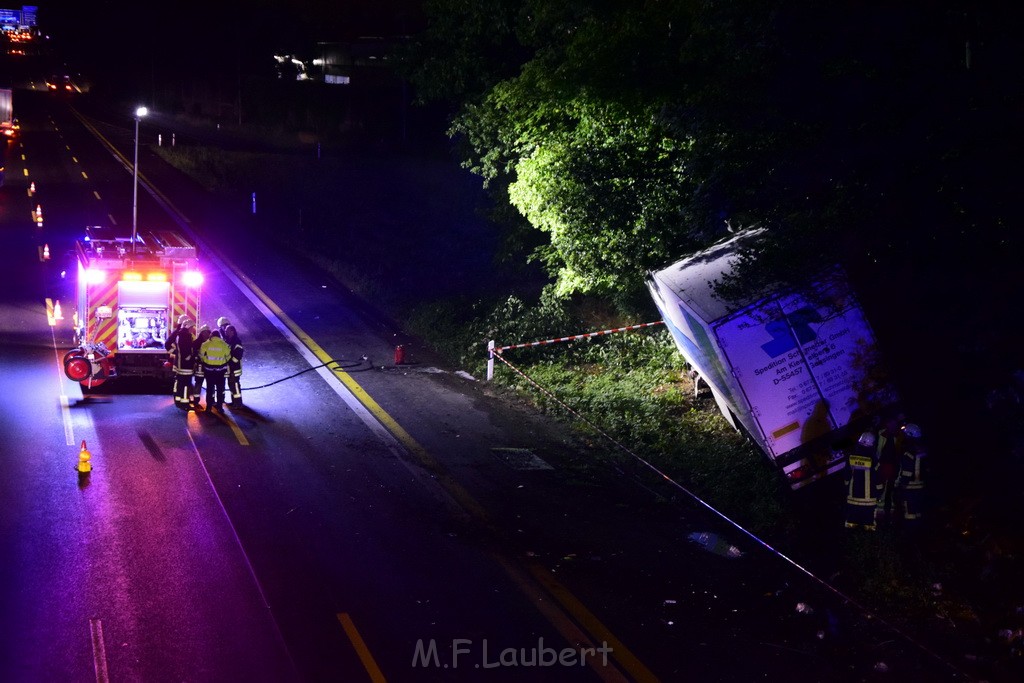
<point>214,352</point>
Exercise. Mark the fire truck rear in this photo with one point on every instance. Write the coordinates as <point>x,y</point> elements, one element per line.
<point>129,297</point>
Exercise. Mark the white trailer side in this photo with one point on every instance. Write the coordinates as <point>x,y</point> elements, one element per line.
<point>794,370</point>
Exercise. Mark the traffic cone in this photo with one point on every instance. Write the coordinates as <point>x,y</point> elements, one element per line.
<point>32,189</point>
<point>84,466</point>
<point>46,252</point>
<point>57,315</point>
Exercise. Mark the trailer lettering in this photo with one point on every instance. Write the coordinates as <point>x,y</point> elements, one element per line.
<point>766,368</point>
<point>837,335</point>
<point>789,375</point>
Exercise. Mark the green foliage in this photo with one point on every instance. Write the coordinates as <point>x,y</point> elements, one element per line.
<point>632,387</point>
<point>573,141</point>
<point>607,192</point>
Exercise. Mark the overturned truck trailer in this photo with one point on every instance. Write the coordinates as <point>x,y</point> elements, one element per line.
<point>797,371</point>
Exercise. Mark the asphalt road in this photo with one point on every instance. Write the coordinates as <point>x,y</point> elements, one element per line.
<point>342,526</point>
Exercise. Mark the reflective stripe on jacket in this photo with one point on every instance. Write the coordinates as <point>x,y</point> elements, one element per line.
<point>235,364</point>
<point>214,352</point>
<point>180,347</point>
<point>863,485</point>
<point>912,470</point>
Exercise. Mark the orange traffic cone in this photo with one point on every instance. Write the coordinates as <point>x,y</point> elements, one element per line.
<point>32,189</point>
<point>84,456</point>
<point>46,252</point>
<point>57,315</point>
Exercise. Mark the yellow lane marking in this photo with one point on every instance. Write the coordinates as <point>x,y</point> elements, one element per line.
<point>23,157</point>
<point>591,623</point>
<point>571,604</point>
<point>239,434</point>
<point>74,159</point>
<point>364,652</point>
<point>571,631</point>
<point>85,176</point>
<point>97,195</point>
<point>419,452</point>
<point>561,622</point>
<point>25,171</point>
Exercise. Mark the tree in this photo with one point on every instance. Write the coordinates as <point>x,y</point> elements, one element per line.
<point>632,133</point>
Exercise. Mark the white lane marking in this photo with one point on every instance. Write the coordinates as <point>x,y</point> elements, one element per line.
<point>99,651</point>
<point>241,548</point>
<point>65,413</point>
<point>69,430</point>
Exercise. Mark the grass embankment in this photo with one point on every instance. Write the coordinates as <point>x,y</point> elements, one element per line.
<point>402,234</point>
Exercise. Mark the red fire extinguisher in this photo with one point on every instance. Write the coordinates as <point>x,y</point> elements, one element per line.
<point>399,354</point>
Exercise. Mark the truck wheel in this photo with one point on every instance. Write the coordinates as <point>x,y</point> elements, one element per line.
<point>77,368</point>
<point>72,354</point>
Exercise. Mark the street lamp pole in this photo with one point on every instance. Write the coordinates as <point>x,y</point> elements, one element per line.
<point>139,113</point>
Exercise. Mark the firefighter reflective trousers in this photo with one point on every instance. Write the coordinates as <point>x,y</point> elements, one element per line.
<point>182,388</point>
<point>214,385</point>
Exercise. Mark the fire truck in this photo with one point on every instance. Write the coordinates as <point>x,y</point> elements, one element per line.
<point>128,299</point>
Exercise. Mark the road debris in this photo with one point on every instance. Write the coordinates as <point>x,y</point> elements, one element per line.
<point>714,543</point>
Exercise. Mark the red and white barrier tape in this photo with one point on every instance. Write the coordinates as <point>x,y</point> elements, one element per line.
<point>499,349</point>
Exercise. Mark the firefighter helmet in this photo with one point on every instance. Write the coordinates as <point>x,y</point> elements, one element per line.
<point>912,431</point>
<point>204,326</point>
<point>867,439</point>
<point>188,323</point>
<point>222,321</point>
<point>182,319</point>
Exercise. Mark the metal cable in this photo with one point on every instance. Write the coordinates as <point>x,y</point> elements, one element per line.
<point>864,610</point>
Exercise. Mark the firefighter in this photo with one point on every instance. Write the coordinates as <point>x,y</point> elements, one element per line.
<point>182,348</point>
<point>234,364</point>
<point>888,447</point>
<point>197,391</point>
<point>910,482</point>
<point>863,485</point>
<point>214,354</point>
<point>222,323</point>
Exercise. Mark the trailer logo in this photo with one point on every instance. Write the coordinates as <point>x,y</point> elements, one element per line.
<point>782,338</point>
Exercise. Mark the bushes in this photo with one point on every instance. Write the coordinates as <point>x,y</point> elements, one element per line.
<point>632,386</point>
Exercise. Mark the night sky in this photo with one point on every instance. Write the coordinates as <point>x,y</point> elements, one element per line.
<point>111,34</point>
